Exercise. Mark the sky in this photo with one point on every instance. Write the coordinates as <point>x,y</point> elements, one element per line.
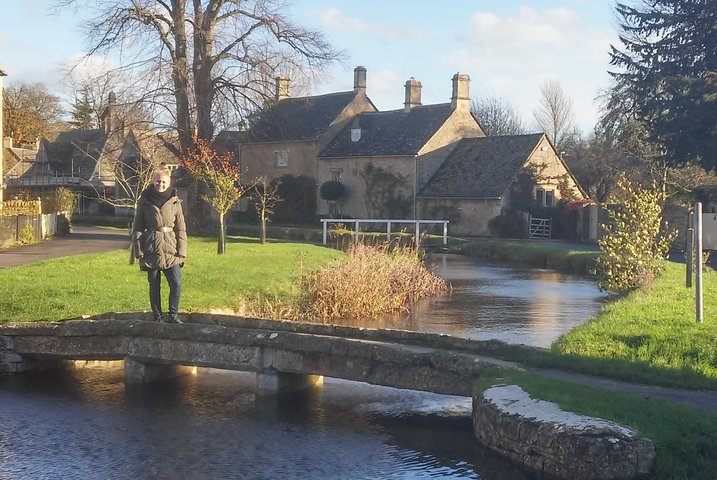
<point>509,48</point>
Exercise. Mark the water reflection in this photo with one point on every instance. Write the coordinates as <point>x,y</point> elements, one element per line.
<point>521,306</point>
<point>83,423</point>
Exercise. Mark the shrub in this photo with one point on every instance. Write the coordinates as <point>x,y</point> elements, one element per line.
<point>368,282</point>
<point>27,235</point>
<point>332,190</point>
<point>508,226</point>
<point>635,243</point>
<point>63,224</point>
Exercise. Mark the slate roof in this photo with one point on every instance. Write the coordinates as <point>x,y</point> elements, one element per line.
<point>395,132</point>
<point>302,118</point>
<point>74,150</point>
<point>481,167</point>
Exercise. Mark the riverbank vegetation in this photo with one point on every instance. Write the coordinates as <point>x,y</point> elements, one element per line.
<point>369,282</point>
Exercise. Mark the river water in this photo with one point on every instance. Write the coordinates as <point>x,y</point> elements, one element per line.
<point>83,423</point>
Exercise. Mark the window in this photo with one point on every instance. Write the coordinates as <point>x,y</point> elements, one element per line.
<point>336,174</point>
<point>549,198</point>
<point>545,198</point>
<point>281,158</point>
<point>355,134</point>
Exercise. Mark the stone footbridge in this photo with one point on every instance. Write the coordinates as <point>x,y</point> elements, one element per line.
<point>285,355</point>
<point>289,356</point>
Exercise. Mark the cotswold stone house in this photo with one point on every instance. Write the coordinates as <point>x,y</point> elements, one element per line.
<point>478,180</point>
<point>421,161</point>
<point>93,163</point>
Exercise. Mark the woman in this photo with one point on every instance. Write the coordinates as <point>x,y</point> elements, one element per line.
<point>160,242</point>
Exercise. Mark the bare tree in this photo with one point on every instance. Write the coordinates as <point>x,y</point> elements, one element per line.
<point>265,196</point>
<point>555,115</point>
<point>497,116</point>
<point>197,52</point>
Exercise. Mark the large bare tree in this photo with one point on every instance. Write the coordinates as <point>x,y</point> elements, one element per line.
<point>192,53</point>
<point>497,116</point>
<point>555,115</point>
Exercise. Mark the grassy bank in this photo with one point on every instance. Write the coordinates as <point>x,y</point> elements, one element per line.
<point>532,254</point>
<point>684,438</point>
<point>91,284</point>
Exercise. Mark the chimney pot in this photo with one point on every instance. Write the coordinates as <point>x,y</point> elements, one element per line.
<point>413,94</point>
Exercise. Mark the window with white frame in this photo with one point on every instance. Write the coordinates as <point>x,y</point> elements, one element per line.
<point>281,158</point>
<point>544,198</point>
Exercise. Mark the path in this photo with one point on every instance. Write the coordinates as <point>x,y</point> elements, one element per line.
<point>82,240</point>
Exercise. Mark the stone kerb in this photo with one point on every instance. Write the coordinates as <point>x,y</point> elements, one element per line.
<point>555,443</point>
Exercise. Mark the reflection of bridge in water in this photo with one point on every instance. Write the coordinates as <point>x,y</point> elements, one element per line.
<point>285,355</point>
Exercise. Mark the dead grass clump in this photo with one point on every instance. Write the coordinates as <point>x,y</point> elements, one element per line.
<point>368,282</point>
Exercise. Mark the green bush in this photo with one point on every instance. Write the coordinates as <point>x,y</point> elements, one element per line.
<point>508,226</point>
<point>332,190</point>
<point>27,235</point>
<point>635,243</point>
<point>63,225</point>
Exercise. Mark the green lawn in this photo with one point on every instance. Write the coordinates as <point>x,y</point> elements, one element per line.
<point>98,283</point>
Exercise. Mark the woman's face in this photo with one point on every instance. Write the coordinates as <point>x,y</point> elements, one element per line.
<point>161,182</point>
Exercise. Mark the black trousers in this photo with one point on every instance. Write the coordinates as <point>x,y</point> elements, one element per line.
<point>174,278</point>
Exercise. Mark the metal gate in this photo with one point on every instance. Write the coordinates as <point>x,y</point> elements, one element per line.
<point>539,228</point>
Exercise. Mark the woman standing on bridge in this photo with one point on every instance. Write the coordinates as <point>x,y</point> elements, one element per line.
<point>160,242</point>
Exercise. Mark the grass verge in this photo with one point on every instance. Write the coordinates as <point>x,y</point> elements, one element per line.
<point>684,438</point>
<point>91,284</point>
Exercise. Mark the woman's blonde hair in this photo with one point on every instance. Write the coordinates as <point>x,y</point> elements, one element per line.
<point>162,172</point>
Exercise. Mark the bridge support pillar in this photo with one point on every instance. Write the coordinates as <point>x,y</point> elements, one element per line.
<point>136,371</point>
<point>276,383</point>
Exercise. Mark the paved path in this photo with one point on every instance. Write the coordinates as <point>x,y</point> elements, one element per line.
<point>92,239</point>
<point>81,240</point>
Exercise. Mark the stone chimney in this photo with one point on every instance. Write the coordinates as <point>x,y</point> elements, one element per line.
<point>107,118</point>
<point>360,80</point>
<point>413,94</point>
<point>282,88</point>
<point>460,100</point>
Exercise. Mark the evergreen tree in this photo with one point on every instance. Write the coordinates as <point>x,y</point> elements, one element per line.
<point>669,75</point>
<point>82,112</point>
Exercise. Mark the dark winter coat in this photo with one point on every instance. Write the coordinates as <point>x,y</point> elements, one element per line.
<point>159,234</point>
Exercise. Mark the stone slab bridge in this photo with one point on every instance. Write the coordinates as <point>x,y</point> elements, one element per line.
<point>285,355</point>
<point>289,356</point>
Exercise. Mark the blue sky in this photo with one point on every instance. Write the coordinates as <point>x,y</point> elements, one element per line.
<point>509,47</point>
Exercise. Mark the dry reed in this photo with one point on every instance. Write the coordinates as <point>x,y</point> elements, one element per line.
<point>369,282</point>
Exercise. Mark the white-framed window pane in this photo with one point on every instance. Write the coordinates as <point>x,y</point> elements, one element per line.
<point>281,158</point>
<point>549,198</point>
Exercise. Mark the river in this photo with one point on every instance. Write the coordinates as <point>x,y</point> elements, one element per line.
<point>83,423</point>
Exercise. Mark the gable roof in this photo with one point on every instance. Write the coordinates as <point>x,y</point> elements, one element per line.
<point>303,118</point>
<point>482,167</point>
<point>396,132</point>
<point>73,151</point>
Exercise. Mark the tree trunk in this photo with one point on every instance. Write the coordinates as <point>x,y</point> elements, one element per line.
<point>221,246</point>
<point>180,76</point>
<point>262,234</point>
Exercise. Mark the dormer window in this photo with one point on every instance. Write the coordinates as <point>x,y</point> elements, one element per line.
<point>355,134</point>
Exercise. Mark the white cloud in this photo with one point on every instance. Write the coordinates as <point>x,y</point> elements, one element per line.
<point>339,24</point>
<point>511,56</point>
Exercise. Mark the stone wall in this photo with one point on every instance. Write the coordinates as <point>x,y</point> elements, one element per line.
<point>555,443</point>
